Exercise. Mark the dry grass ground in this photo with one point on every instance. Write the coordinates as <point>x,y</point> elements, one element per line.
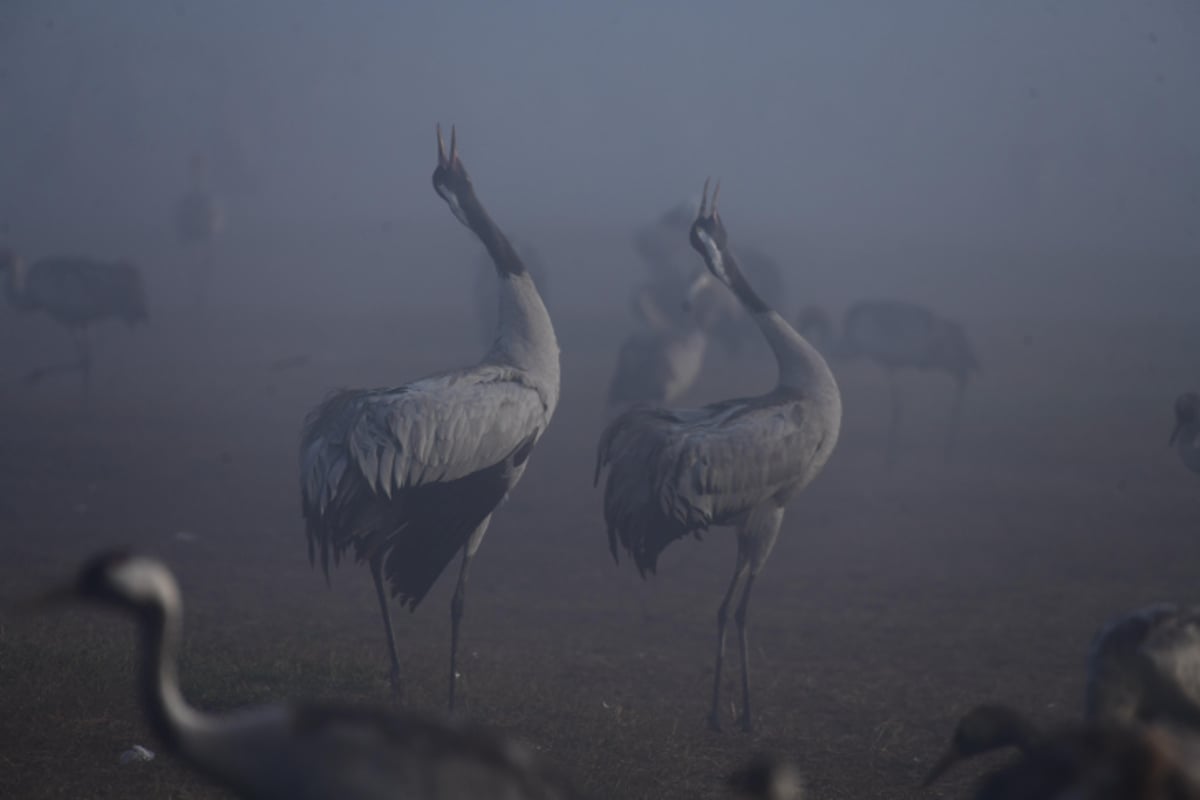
<point>894,601</point>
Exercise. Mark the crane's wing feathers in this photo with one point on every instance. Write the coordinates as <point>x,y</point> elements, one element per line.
<point>409,473</point>
<point>674,472</point>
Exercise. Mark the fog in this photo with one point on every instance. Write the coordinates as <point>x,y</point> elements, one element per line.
<point>1028,171</point>
<point>861,143</point>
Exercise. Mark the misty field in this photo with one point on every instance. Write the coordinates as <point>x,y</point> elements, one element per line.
<point>895,600</point>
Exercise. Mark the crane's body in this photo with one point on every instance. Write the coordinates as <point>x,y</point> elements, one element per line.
<point>409,477</point>
<point>1145,665</point>
<point>199,224</point>
<point>672,473</point>
<point>898,336</point>
<point>1143,675</point>
<point>76,292</point>
<point>1186,435</point>
<point>299,752</point>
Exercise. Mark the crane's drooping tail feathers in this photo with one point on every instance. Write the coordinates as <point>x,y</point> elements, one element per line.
<point>632,508</point>
<point>417,530</point>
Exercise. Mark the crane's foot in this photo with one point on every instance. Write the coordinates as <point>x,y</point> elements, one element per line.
<point>396,683</point>
<point>714,722</point>
<point>747,724</point>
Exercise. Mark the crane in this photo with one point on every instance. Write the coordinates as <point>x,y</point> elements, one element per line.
<point>663,249</point>
<point>1098,760</point>
<point>409,476</point>
<point>659,362</point>
<point>896,336</point>
<point>734,463</point>
<point>199,222</point>
<point>1186,436</point>
<point>1143,668</point>
<point>295,751</point>
<point>485,289</point>
<point>76,292</point>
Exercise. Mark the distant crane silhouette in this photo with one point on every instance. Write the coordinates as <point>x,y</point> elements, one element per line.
<point>658,363</point>
<point>76,292</point>
<point>896,336</point>
<point>735,463</point>
<point>1142,668</point>
<point>199,223</point>
<point>663,248</point>
<point>410,476</point>
<point>291,751</point>
<point>1186,436</point>
<point>487,309</point>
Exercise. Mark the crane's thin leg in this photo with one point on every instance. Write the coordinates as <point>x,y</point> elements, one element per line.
<point>458,601</point>
<point>894,423</point>
<point>960,390</point>
<point>386,613</point>
<point>762,531</point>
<point>739,573</point>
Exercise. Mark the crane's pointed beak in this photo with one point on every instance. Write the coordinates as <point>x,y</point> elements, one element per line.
<point>1174,435</point>
<point>943,765</point>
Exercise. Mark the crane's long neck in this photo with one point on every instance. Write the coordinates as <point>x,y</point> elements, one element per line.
<point>800,365</point>
<point>1188,445</point>
<point>175,722</point>
<point>524,334</point>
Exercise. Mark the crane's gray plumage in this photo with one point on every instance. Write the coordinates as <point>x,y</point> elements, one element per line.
<point>299,752</point>
<point>1143,668</point>
<point>410,476</point>
<point>1145,665</point>
<point>677,472</point>
<point>1095,760</point>
<point>409,473</point>
<point>1186,435</point>
<point>898,335</point>
<point>487,314</point>
<point>76,292</point>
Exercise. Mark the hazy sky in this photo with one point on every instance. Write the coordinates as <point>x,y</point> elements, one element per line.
<point>1069,123</point>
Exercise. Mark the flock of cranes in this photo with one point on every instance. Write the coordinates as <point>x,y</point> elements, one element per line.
<point>408,478</point>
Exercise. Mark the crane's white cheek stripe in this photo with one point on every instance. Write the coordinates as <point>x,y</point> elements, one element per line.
<point>714,255</point>
<point>452,201</point>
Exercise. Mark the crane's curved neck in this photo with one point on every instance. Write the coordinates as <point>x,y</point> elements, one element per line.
<point>1187,444</point>
<point>174,721</point>
<point>524,334</point>
<point>800,364</point>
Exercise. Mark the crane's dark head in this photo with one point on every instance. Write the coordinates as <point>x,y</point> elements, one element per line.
<point>708,238</point>
<point>120,579</point>
<point>981,730</point>
<point>1187,413</point>
<point>450,179</point>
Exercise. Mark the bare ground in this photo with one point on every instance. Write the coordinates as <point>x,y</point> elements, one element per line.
<point>895,600</point>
